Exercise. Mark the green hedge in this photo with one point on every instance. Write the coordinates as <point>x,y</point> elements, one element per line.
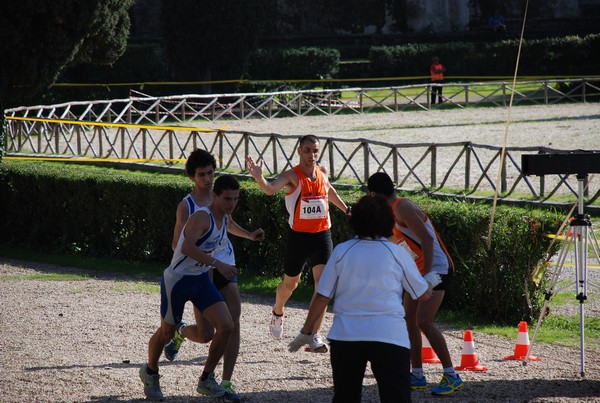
<point>540,57</point>
<point>87,210</point>
<point>112,213</point>
<point>491,283</point>
<point>305,63</point>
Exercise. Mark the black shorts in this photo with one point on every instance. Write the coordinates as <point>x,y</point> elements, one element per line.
<point>306,246</point>
<point>219,281</point>
<point>446,280</point>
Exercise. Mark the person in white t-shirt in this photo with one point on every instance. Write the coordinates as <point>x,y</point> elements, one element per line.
<point>366,277</point>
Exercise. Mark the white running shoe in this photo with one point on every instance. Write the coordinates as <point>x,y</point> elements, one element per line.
<point>317,344</point>
<point>276,326</point>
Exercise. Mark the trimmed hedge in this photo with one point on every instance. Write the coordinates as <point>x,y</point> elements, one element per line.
<point>304,63</point>
<point>491,283</point>
<point>576,55</point>
<point>119,214</point>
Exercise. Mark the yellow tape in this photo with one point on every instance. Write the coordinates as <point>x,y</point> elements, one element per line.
<point>84,159</point>
<point>105,124</point>
<point>331,80</point>
<point>569,264</point>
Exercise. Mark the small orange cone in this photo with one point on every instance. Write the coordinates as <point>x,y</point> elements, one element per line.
<point>469,360</point>
<point>428,356</point>
<point>522,345</point>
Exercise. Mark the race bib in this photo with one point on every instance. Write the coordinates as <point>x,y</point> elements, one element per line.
<point>312,208</point>
<point>408,249</point>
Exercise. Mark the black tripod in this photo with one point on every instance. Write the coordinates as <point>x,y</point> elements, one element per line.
<point>579,238</point>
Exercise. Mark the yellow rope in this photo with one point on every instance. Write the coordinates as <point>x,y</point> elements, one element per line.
<point>508,119</point>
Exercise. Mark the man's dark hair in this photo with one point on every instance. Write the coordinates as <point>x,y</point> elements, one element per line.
<point>381,183</point>
<point>198,159</point>
<point>225,182</point>
<point>310,138</point>
<point>372,217</point>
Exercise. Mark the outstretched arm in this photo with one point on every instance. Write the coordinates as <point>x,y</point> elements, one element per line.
<point>235,229</point>
<point>272,187</point>
<point>317,307</point>
<point>333,196</point>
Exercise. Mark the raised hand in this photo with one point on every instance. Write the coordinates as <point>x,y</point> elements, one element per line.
<point>255,169</point>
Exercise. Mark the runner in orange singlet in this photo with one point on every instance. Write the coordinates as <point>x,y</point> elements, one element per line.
<point>308,193</point>
<point>413,230</point>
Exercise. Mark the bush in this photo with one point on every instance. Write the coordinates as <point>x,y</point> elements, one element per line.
<point>540,57</point>
<point>490,283</point>
<point>90,211</point>
<point>306,63</point>
<point>112,213</point>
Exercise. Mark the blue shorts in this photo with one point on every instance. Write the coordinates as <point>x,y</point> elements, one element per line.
<point>177,289</point>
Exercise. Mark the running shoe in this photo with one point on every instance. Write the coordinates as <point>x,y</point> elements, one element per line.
<point>276,326</point>
<point>417,383</point>
<point>318,345</point>
<point>230,396</point>
<point>448,385</point>
<point>210,387</point>
<point>173,346</point>
<point>151,384</point>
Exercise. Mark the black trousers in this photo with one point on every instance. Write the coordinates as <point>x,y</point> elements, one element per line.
<point>390,365</point>
<point>436,90</point>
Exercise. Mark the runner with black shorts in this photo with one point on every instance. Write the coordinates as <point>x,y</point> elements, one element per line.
<point>308,193</point>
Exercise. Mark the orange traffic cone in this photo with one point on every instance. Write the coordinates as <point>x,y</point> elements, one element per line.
<point>522,345</point>
<point>428,356</point>
<point>469,360</point>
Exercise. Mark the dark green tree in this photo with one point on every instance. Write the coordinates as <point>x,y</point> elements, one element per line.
<point>211,40</point>
<point>39,39</point>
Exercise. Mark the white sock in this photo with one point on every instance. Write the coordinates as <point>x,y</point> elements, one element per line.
<point>418,372</point>
<point>450,372</point>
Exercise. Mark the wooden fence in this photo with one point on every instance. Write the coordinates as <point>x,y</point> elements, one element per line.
<point>148,129</point>
<point>465,169</point>
<point>140,109</point>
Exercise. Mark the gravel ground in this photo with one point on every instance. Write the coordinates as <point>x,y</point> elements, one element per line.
<point>563,127</point>
<point>85,341</point>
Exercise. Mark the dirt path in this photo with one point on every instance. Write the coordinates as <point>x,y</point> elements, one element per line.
<point>563,127</point>
<point>85,341</point>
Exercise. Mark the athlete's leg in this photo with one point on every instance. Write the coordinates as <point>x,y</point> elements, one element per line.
<point>425,316</point>
<point>284,291</point>
<point>200,332</point>
<point>158,340</point>
<point>231,294</point>
<point>218,315</point>
<point>414,333</point>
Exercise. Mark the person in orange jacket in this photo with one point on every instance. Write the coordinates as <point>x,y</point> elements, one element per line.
<point>436,71</point>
